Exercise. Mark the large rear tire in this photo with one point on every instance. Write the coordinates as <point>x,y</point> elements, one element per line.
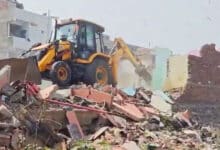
<point>98,72</point>
<point>61,74</point>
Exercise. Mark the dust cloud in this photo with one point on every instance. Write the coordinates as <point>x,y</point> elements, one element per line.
<point>127,76</point>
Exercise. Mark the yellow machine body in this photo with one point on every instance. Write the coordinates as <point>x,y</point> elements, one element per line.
<point>63,49</point>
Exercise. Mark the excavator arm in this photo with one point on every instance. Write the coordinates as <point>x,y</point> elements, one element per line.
<point>121,50</point>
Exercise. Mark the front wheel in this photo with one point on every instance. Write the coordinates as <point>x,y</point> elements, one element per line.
<point>60,73</point>
<point>98,72</point>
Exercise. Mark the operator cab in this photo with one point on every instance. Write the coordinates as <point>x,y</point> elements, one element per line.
<point>85,36</point>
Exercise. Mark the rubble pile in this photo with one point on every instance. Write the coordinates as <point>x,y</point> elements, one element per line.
<point>94,118</point>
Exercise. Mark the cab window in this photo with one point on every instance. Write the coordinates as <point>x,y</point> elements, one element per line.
<point>82,37</point>
<point>90,36</point>
<point>67,31</point>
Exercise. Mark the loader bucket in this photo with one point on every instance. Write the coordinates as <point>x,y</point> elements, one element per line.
<point>24,69</point>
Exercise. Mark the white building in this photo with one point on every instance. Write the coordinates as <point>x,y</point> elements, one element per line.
<point>20,29</point>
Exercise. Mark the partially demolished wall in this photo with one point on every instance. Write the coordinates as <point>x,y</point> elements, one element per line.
<point>202,90</point>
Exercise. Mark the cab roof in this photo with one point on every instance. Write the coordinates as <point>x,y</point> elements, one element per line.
<point>70,21</point>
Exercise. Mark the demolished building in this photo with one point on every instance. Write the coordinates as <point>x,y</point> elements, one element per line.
<point>20,29</point>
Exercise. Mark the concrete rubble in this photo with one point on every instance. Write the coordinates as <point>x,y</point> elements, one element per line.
<point>121,125</point>
<point>94,117</point>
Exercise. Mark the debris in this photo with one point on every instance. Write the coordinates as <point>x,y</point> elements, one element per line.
<point>17,139</point>
<point>129,91</point>
<point>98,133</point>
<point>117,121</point>
<point>206,132</point>
<point>5,113</point>
<point>61,146</point>
<point>143,94</point>
<point>46,93</point>
<point>28,120</point>
<point>93,95</point>
<point>192,134</point>
<point>74,126</point>
<point>149,111</point>
<point>5,140</point>
<point>161,105</point>
<point>130,110</point>
<point>44,132</point>
<point>164,96</point>
<point>75,106</point>
<point>5,74</point>
<point>86,117</point>
<point>130,146</point>
<point>183,118</point>
<point>118,148</point>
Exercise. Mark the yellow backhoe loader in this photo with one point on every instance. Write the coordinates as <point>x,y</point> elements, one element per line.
<point>77,54</point>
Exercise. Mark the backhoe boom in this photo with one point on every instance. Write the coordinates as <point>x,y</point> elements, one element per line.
<point>121,50</point>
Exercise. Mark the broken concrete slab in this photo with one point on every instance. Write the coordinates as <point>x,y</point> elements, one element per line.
<point>129,91</point>
<point>47,92</point>
<point>16,139</point>
<point>5,76</point>
<point>164,96</point>
<point>98,133</point>
<point>86,117</point>
<point>117,121</point>
<point>5,140</point>
<point>74,127</point>
<point>149,111</point>
<point>100,97</point>
<point>118,98</point>
<point>144,94</point>
<point>45,132</point>
<point>184,118</point>
<point>118,148</point>
<point>131,145</point>
<point>192,134</point>
<point>63,93</point>
<point>5,113</point>
<point>159,103</point>
<point>61,146</point>
<point>130,110</point>
<point>55,118</point>
<point>80,92</point>
<point>92,95</point>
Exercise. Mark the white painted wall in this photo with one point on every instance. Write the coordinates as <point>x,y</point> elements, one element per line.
<point>38,28</point>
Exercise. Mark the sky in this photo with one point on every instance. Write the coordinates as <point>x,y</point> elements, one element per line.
<point>180,25</point>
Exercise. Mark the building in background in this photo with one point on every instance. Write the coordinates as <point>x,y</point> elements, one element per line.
<point>20,29</point>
